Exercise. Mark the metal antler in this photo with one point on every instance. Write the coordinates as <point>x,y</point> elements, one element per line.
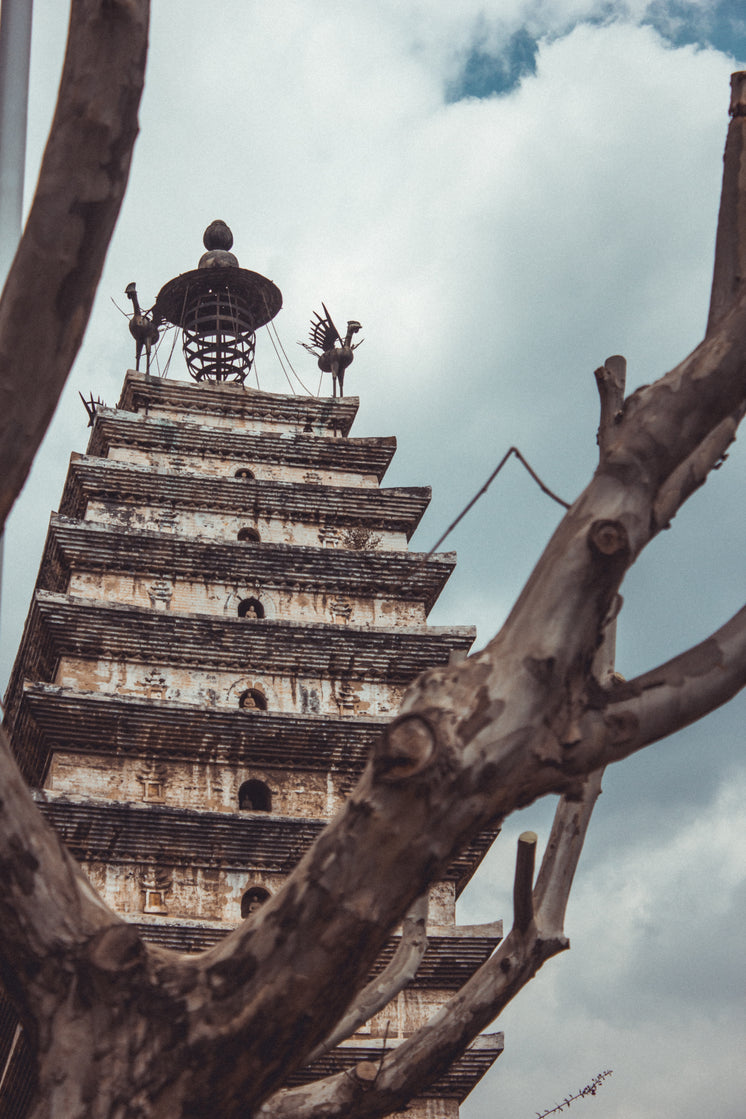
<point>332,358</point>
<point>142,328</point>
<point>91,406</point>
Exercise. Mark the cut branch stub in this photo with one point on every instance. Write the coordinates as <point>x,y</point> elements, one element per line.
<point>610,381</point>
<point>608,538</point>
<point>404,749</point>
<point>366,1072</point>
<point>523,907</point>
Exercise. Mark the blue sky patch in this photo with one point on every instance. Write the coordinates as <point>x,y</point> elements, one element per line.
<point>484,74</point>
<point>721,24</point>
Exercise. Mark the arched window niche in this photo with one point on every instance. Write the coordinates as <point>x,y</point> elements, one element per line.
<point>245,473</point>
<point>253,899</point>
<point>250,608</point>
<point>252,700</point>
<point>249,535</point>
<point>254,796</point>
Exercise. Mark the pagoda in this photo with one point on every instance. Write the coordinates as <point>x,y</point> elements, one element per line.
<point>226,615</point>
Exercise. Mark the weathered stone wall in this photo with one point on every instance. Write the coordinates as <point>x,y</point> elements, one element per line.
<point>433,1109</point>
<point>214,894</point>
<point>226,526</point>
<point>227,468</point>
<point>194,893</point>
<point>172,593</point>
<point>299,694</point>
<point>296,792</point>
<point>231,421</point>
<point>405,1014</point>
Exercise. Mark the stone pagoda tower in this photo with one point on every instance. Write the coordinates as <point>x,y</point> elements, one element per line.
<point>225,616</point>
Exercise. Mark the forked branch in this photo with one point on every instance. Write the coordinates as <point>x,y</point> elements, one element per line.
<point>400,971</point>
<point>633,714</point>
<point>429,1052</point>
<point>693,471</point>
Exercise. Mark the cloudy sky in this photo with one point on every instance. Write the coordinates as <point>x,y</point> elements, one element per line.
<point>504,194</point>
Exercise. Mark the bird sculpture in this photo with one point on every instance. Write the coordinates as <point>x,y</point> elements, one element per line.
<point>332,358</point>
<point>142,329</point>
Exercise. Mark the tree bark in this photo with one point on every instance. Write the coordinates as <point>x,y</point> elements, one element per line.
<point>730,247</point>
<point>53,279</point>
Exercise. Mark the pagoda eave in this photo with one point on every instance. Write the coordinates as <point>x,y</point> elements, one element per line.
<point>142,392</point>
<point>123,832</point>
<point>451,958</point>
<point>465,1072</point>
<point>105,480</point>
<point>60,625</point>
<point>89,546</point>
<point>122,429</point>
<point>72,721</point>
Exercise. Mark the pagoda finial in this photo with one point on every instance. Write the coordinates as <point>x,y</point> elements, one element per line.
<point>218,239</point>
<point>218,306</point>
<point>217,236</point>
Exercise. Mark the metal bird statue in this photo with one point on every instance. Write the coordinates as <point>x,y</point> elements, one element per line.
<point>333,358</point>
<point>142,328</point>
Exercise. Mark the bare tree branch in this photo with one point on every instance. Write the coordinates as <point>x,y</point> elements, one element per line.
<point>538,921</point>
<point>560,861</point>
<point>611,380</point>
<point>474,741</point>
<point>636,713</point>
<point>730,245</point>
<point>400,971</point>
<point>693,471</point>
<point>420,1059</point>
<point>53,279</point>
<point>48,908</point>
<point>523,882</point>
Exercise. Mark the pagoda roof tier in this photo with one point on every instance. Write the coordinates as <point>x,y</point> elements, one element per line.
<point>63,719</point>
<point>353,455</point>
<point>141,392</point>
<point>180,437</point>
<point>120,832</point>
<point>451,957</point>
<point>61,625</point>
<point>465,1072</point>
<point>95,479</point>
<point>90,546</point>
<point>20,1080</point>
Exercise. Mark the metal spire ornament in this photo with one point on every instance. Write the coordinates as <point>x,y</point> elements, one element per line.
<point>218,306</point>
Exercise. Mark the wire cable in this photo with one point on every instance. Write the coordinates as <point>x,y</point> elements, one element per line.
<point>510,451</point>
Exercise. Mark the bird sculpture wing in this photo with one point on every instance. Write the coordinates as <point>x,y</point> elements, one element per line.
<point>324,333</point>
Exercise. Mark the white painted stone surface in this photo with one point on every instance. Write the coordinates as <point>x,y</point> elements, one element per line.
<point>214,467</point>
<point>296,694</point>
<point>223,599</point>
<point>206,525</point>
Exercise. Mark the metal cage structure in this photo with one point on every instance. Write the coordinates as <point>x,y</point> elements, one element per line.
<point>218,307</point>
